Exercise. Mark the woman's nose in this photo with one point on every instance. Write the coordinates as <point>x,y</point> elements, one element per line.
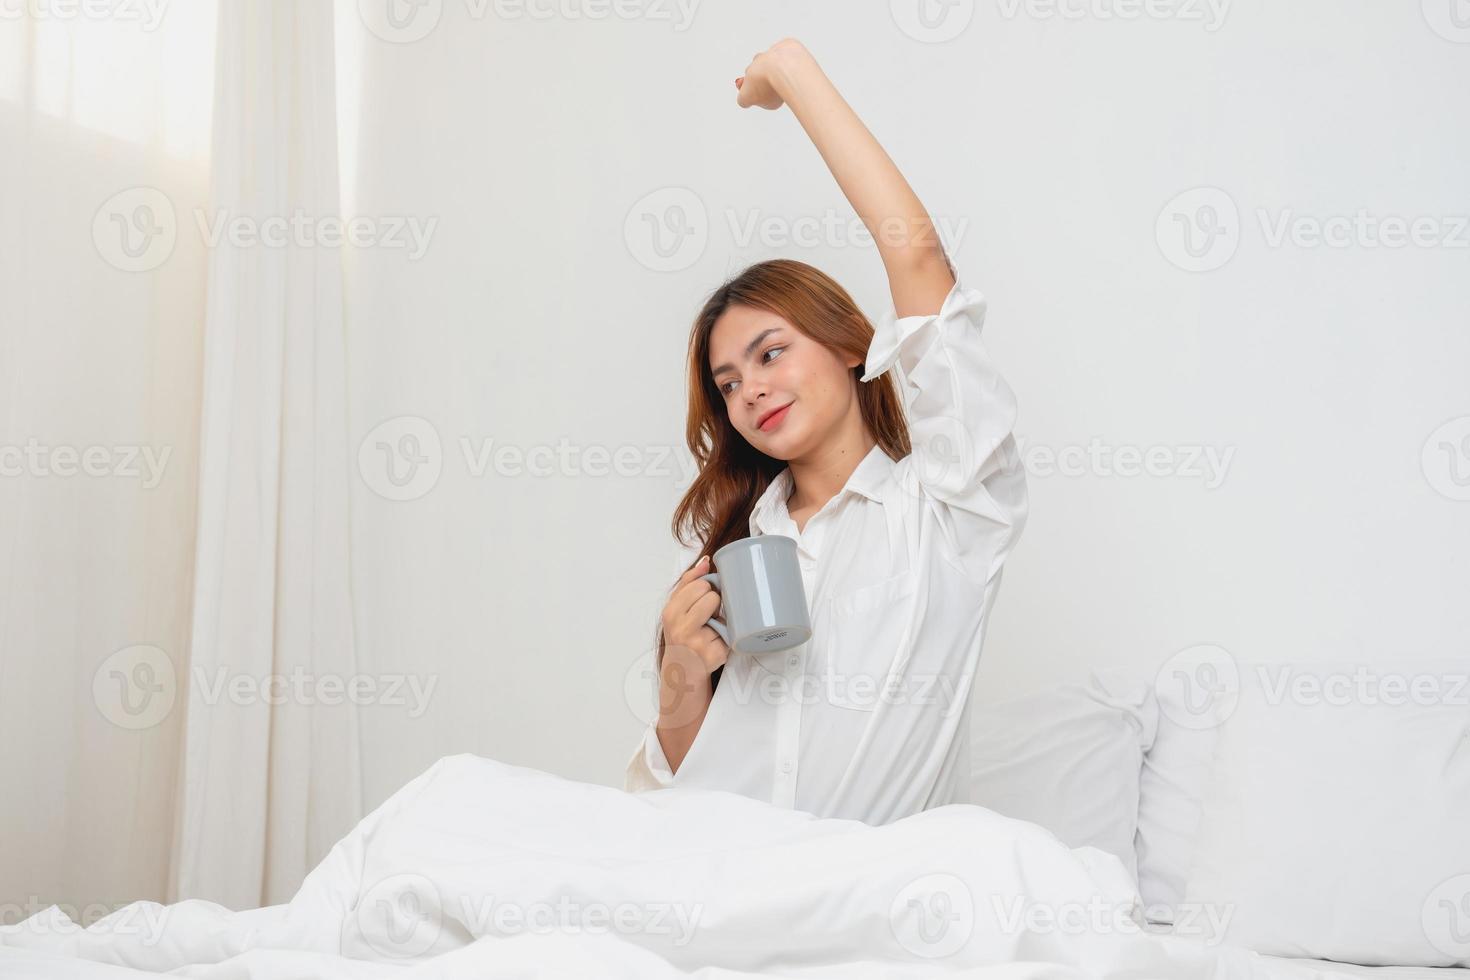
<point>756,392</point>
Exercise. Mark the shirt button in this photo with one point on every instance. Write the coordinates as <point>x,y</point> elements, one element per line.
<point>793,661</point>
<point>785,767</point>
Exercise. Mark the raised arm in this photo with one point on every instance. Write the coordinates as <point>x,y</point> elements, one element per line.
<point>961,410</point>
<point>919,273</point>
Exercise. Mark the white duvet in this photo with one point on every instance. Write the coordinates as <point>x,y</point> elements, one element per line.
<point>481,869</point>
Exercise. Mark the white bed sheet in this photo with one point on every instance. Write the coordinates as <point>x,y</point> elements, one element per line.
<point>417,889</point>
<point>1329,968</point>
<point>1379,972</point>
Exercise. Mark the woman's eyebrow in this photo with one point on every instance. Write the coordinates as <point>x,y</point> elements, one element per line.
<point>749,349</point>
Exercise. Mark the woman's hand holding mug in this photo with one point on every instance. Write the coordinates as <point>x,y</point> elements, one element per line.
<point>686,623</point>
<point>760,589</point>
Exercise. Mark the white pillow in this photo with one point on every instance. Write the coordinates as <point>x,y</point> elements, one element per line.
<point>1195,690</point>
<point>1336,823</point>
<point>1068,759</point>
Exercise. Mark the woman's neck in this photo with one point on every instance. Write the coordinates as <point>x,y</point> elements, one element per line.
<point>817,478</point>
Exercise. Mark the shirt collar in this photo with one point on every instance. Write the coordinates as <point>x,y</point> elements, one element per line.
<point>867,479</point>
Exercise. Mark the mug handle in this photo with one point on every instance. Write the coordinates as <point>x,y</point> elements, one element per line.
<point>713,578</point>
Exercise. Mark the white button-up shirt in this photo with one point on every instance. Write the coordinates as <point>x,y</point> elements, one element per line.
<point>869,718</point>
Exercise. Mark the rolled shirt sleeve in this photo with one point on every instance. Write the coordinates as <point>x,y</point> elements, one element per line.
<point>648,768</point>
<point>962,416</point>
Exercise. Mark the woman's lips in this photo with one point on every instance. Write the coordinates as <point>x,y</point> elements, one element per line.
<point>776,418</point>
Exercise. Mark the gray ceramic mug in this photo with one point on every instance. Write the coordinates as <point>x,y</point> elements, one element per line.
<point>761,593</point>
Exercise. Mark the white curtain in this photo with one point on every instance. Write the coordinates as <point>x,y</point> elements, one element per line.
<point>270,781</point>
<point>104,140</point>
<point>173,467</point>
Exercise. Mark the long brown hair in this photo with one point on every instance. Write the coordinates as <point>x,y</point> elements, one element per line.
<point>733,474</point>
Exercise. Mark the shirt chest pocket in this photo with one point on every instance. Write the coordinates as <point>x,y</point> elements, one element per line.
<point>864,629</point>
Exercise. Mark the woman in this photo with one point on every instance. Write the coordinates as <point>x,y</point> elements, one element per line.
<point>799,429</point>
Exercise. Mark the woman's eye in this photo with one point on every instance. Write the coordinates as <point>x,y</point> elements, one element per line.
<point>725,388</point>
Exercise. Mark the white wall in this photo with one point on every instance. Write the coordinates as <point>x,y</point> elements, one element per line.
<point>1053,145</point>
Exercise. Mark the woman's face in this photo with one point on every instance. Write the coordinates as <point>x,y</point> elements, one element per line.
<point>766,369</point>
